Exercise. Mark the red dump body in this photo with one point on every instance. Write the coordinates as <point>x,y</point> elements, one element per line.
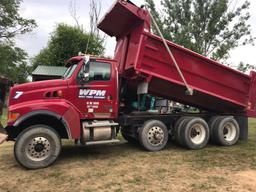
<point>141,55</point>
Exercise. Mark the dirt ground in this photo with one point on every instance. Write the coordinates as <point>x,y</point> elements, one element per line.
<point>126,167</point>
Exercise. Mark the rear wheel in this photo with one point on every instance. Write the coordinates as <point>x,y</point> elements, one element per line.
<point>153,135</point>
<point>177,128</point>
<point>194,134</point>
<point>129,138</point>
<point>37,147</point>
<point>225,131</point>
<point>211,124</point>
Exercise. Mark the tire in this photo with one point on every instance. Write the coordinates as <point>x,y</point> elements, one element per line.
<point>211,124</point>
<point>129,138</point>
<point>153,135</point>
<point>195,133</point>
<point>37,147</point>
<point>177,127</point>
<point>225,131</point>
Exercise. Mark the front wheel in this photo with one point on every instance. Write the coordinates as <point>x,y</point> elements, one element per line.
<point>153,135</point>
<point>37,147</point>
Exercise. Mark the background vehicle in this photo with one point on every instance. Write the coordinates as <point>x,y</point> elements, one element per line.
<point>99,97</point>
<point>3,86</point>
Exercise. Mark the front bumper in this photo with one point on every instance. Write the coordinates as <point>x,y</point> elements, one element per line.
<point>3,134</point>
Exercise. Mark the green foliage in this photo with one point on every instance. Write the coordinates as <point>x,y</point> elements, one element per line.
<point>211,28</point>
<point>11,23</point>
<point>13,60</point>
<point>65,42</point>
<point>244,67</point>
<point>13,63</point>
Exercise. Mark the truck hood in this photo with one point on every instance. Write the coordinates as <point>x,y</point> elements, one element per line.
<point>39,85</point>
<point>35,90</point>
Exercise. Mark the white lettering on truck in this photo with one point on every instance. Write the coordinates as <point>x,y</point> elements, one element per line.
<point>18,94</point>
<point>92,94</point>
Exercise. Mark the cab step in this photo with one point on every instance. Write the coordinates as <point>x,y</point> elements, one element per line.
<point>102,142</point>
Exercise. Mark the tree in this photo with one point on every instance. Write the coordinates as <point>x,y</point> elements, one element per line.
<point>211,28</point>
<point>245,67</point>
<point>65,42</point>
<point>11,23</point>
<point>94,15</point>
<point>13,63</point>
<point>13,60</point>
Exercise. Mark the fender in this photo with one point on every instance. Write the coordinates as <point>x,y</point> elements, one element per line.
<point>57,108</point>
<point>44,112</point>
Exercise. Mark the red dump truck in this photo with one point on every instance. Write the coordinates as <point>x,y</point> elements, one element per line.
<point>97,97</point>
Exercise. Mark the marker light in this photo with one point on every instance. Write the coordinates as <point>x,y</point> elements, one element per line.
<point>12,116</point>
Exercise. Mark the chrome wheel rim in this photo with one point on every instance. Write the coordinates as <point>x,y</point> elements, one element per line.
<point>229,132</point>
<point>155,136</point>
<point>38,149</point>
<point>197,133</point>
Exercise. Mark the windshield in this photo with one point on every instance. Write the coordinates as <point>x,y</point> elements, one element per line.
<point>68,73</point>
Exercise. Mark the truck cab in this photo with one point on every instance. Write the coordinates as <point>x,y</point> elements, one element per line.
<point>92,87</point>
<point>87,93</point>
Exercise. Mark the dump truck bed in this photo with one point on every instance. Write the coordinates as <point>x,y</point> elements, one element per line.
<point>142,56</point>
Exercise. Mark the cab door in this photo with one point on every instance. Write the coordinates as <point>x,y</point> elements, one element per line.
<point>96,95</point>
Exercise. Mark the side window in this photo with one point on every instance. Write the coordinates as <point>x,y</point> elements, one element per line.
<point>99,71</point>
<point>95,71</point>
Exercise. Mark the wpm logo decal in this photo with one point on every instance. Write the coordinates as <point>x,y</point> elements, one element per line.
<point>92,94</point>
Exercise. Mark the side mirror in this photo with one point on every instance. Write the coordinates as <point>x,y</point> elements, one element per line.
<point>83,78</point>
<point>86,76</point>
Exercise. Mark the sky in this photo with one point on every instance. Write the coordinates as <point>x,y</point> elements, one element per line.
<point>48,13</point>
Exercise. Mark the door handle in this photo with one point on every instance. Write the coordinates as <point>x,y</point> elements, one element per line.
<point>110,97</point>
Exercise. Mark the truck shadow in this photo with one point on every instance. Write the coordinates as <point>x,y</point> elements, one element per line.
<point>105,151</point>
<point>71,151</point>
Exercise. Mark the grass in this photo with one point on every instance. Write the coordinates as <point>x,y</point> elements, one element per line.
<point>125,167</point>
<point>3,118</point>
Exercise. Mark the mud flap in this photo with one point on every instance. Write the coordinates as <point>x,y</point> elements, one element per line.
<point>3,134</point>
